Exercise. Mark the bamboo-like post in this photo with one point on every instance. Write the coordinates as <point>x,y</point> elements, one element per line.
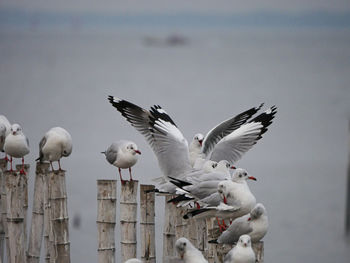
<point>210,253</point>
<point>47,225</point>
<point>202,238</point>
<point>180,223</point>
<point>106,219</point>
<point>37,226</point>
<point>3,215</point>
<point>25,198</point>
<point>15,185</point>
<point>59,221</point>
<point>128,219</point>
<point>147,227</point>
<point>169,231</point>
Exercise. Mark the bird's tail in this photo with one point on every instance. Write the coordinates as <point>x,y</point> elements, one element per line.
<point>213,241</point>
<point>194,213</point>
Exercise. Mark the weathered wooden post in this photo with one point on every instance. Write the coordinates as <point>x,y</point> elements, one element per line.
<point>25,198</point>
<point>180,223</point>
<point>47,225</point>
<point>59,228</point>
<point>169,231</point>
<point>211,251</point>
<point>106,219</point>
<point>37,226</point>
<point>3,220</point>
<point>15,184</point>
<point>128,219</point>
<point>147,231</point>
<point>202,237</point>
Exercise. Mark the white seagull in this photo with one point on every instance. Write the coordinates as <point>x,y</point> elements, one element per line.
<point>188,252</point>
<point>122,154</point>
<point>254,224</point>
<point>242,252</point>
<point>55,144</point>
<point>5,128</point>
<point>16,145</point>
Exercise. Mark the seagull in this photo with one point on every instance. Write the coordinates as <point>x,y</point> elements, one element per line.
<point>133,260</point>
<point>55,144</point>
<point>122,154</point>
<point>5,128</point>
<point>254,224</point>
<point>236,199</point>
<point>230,144</point>
<point>242,252</point>
<point>16,145</point>
<point>187,252</point>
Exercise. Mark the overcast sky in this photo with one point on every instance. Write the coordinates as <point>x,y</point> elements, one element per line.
<point>168,6</point>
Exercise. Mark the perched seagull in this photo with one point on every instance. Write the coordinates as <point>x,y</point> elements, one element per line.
<point>188,252</point>
<point>133,260</point>
<point>236,199</point>
<point>5,128</point>
<point>55,144</point>
<point>231,144</point>
<point>242,252</point>
<point>122,154</point>
<point>16,145</point>
<point>254,224</point>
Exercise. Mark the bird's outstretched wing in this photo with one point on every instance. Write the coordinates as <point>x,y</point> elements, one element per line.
<point>234,145</point>
<point>225,128</point>
<point>161,132</point>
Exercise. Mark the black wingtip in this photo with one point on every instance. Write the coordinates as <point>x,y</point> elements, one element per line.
<point>37,159</point>
<point>180,198</point>
<point>155,190</point>
<point>214,241</point>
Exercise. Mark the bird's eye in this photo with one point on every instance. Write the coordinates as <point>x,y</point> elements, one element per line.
<point>228,165</point>
<point>184,244</point>
<point>245,174</point>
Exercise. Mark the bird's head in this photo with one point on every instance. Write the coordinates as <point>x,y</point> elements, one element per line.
<point>16,129</point>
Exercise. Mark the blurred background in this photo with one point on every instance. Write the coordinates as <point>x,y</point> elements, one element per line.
<point>203,61</point>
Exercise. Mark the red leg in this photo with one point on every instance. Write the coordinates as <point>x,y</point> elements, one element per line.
<point>198,206</point>
<point>22,170</point>
<point>6,158</point>
<point>220,226</point>
<point>224,224</point>
<point>120,174</point>
<point>11,170</point>
<point>130,173</point>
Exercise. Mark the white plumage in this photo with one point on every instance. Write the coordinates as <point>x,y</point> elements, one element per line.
<point>242,252</point>
<point>188,252</point>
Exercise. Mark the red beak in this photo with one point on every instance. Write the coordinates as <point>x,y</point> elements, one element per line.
<point>14,133</point>
<point>200,142</point>
<point>233,167</point>
<point>249,218</point>
<point>252,178</point>
<point>225,200</point>
<point>137,151</point>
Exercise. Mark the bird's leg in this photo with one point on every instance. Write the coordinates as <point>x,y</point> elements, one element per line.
<point>224,224</point>
<point>120,174</point>
<point>22,170</point>
<point>53,170</point>
<point>198,206</point>
<point>11,170</point>
<point>6,158</point>
<point>130,173</point>
<point>59,165</point>
<point>220,226</point>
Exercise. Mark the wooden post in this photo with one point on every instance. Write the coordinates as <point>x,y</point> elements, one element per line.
<point>202,237</point>
<point>210,253</point>
<point>15,184</point>
<point>37,226</point>
<point>3,215</point>
<point>128,219</point>
<point>147,231</point>
<point>180,223</point>
<point>169,231</point>
<point>47,225</point>
<point>106,218</point>
<point>59,221</point>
